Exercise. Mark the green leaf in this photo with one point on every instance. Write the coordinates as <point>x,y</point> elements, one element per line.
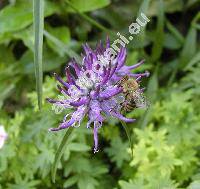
<point>88,5</point>
<point>138,184</point>
<point>78,147</point>
<point>171,42</point>
<point>86,181</point>
<point>61,33</point>
<point>26,36</point>
<point>23,184</point>
<point>118,151</point>
<point>189,48</point>
<point>70,181</point>
<point>153,86</point>
<point>171,6</point>
<point>77,9</point>
<point>22,12</point>
<point>51,61</point>
<point>175,32</point>
<point>159,34</point>
<point>193,61</point>
<point>20,15</point>
<point>60,152</point>
<point>140,38</point>
<point>151,96</point>
<point>62,47</point>
<point>38,13</point>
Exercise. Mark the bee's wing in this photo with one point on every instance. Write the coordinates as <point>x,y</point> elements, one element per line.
<point>140,100</point>
<point>120,98</point>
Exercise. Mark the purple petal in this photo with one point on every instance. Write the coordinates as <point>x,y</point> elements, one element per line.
<point>146,74</point>
<point>88,61</point>
<point>121,117</point>
<point>81,102</point>
<point>75,66</point>
<point>87,49</point>
<point>107,42</point>
<point>61,81</point>
<point>95,131</point>
<point>99,48</point>
<point>138,78</point>
<point>107,94</point>
<point>53,101</point>
<point>113,70</point>
<point>88,124</point>
<point>121,58</point>
<point>96,93</point>
<point>136,65</point>
<point>69,76</point>
<point>62,90</point>
<point>63,125</point>
<point>106,77</point>
<point>95,111</point>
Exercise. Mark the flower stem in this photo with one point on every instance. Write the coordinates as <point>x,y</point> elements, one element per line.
<point>128,135</point>
<point>60,152</point>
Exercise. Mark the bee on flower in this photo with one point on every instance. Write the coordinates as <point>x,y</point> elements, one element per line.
<point>92,91</point>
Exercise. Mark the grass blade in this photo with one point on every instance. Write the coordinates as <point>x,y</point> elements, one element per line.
<point>159,39</point>
<point>175,32</point>
<point>60,152</point>
<point>189,48</point>
<point>38,22</point>
<point>192,62</point>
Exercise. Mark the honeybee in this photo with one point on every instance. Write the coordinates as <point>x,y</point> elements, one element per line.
<point>133,97</point>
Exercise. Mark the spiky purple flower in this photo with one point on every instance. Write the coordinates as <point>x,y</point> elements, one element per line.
<point>91,90</point>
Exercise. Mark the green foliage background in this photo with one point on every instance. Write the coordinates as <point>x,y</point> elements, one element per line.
<point>166,136</point>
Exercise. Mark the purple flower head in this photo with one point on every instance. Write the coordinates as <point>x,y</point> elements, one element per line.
<point>91,90</point>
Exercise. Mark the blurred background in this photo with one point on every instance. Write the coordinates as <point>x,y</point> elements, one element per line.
<point>166,136</point>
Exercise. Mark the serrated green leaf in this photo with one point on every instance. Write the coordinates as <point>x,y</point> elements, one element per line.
<point>118,151</point>
<point>70,181</point>
<point>131,185</point>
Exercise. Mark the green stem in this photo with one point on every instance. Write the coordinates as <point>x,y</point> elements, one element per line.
<point>60,152</point>
<point>38,22</point>
<point>128,135</point>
